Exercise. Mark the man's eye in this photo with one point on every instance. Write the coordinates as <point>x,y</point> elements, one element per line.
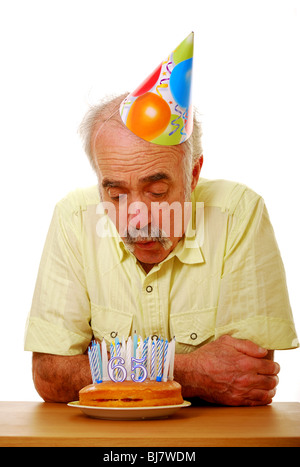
<point>118,197</point>
<point>115,195</point>
<point>157,195</point>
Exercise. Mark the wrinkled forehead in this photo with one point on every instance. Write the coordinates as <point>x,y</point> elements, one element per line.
<point>112,137</point>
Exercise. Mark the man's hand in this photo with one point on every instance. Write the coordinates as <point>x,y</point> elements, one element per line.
<point>228,371</point>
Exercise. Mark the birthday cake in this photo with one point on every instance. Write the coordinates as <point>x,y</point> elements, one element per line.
<point>139,373</point>
<point>131,394</point>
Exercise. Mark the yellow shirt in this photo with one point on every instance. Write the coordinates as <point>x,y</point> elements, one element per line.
<point>228,278</point>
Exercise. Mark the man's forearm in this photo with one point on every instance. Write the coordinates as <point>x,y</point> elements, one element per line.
<point>228,371</point>
<point>184,372</point>
<point>59,378</point>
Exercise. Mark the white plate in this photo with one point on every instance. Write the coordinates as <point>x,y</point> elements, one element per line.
<point>130,413</point>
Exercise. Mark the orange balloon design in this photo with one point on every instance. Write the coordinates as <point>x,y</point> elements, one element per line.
<point>149,116</point>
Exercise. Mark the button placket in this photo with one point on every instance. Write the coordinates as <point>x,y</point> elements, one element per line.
<point>151,304</point>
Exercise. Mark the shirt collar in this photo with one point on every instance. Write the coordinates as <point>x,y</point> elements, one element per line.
<point>189,248</point>
<point>188,251</point>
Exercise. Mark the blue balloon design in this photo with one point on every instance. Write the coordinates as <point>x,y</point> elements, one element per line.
<point>180,82</point>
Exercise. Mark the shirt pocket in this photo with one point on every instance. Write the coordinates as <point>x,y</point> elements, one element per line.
<point>108,323</point>
<point>192,328</point>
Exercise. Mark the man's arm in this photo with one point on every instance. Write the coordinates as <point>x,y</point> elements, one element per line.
<point>228,371</point>
<point>59,378</point>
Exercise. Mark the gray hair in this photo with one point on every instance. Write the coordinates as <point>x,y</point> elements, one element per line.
<point>107,110</point>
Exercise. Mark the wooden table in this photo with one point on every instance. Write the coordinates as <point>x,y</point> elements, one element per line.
<point>45,424</point>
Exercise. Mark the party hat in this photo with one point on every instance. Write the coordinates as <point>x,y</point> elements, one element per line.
<point>160,109</point>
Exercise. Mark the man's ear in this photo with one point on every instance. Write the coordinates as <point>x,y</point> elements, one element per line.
<point>196,172</point>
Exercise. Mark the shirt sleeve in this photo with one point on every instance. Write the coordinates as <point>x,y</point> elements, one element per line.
<point>253,301</point>
<point>59,320</point>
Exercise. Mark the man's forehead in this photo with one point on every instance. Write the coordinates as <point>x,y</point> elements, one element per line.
<point>113,134</point>
<point>122,156</point>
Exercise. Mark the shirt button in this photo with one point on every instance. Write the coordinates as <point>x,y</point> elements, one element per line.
<point>149,288</point>
<point>193,336</point>
<point>113,334</point>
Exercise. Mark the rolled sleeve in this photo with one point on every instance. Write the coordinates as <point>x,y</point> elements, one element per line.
<point>253,301</point>
<point>59,320</point>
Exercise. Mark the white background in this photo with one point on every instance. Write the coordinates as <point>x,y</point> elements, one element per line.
<point>59,56</point>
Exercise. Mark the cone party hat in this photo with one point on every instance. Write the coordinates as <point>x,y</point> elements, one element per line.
<point>160,109</point>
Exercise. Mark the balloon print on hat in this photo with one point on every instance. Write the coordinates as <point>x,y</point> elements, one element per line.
<point>180,82</point>
<point>148,83</point>
<point>185,50</point>
<point>160,109</point>
<point>148,116</point>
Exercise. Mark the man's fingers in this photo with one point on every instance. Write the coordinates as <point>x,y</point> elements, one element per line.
<point>245,346</point>
<point>268,367</point>
<point>249,348</point>
<point>260,397</point>
<point>259,382</point>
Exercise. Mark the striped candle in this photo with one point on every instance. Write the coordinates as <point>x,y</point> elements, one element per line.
<point>138,356</point>
<point>153,359</point>
<point>105,376</point>
<point>99,362</point>
<point>165,352</point>
<point>112,350</point>
<point>167,363</point>
<point>128,356</point>
<point>145,352</point>
<point>149,356</point>
<point>123,349</point>
<point>160,352</point>
<point>172,358</point>
<point>91,365</point>
<point>135,342</point>
<point>94,361</point>
<point>118,354</point>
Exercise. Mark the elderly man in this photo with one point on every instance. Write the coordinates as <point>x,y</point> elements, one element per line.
<point>218,287</point>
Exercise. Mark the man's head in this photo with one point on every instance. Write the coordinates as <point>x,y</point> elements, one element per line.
<point>142,180</point>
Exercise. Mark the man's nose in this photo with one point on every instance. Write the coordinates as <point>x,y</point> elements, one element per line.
<point>138,215</point>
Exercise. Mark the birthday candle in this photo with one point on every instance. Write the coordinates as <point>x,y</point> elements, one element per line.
<point>134,344</point>
<point>157,356</point>
<point>113,354</point>
<point>167,363</point>
<point>166,345</point>
<point>145,352</point>
<point>105,376</point>
<point>123,348</point>
<point>99,363</point>
<point>117,347</point>
<point>112,350</point>
<point>153,359</point>
<point>91,365</point>
<point>160,348</point>
<point>128,357</point>
<point>171,372</point>
<point>149,356</point>
<point>118,354</point>
<point>94,365</point>
<point>138,356</point>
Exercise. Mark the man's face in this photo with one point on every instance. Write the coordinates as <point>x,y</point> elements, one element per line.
<point>141,181</point>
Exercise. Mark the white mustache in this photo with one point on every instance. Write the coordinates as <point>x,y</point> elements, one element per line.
<point>133,235</point>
